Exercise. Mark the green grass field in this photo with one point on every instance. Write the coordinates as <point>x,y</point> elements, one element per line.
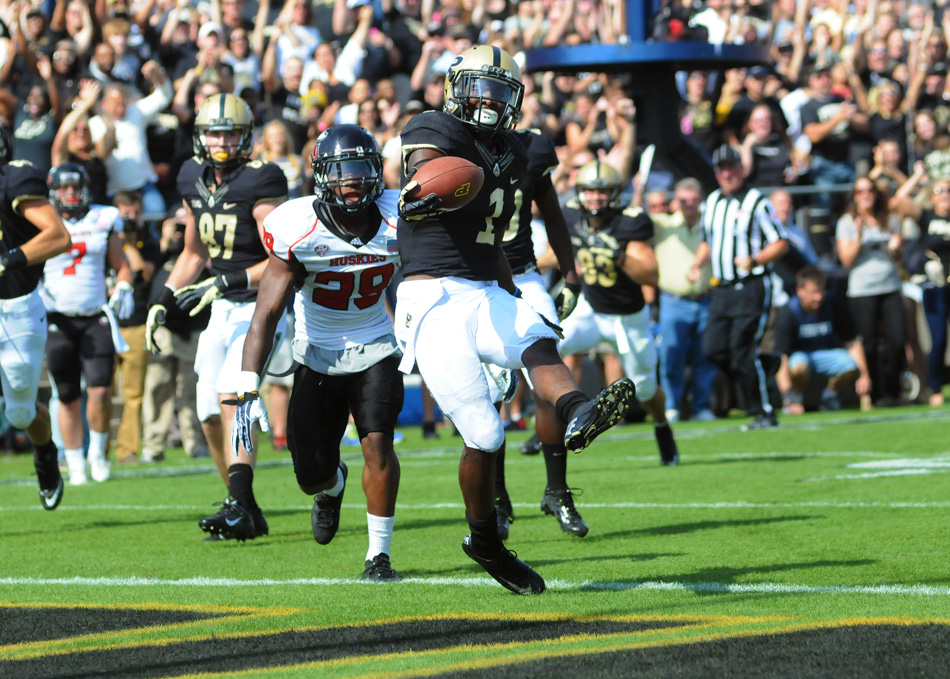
<point>819,549</point>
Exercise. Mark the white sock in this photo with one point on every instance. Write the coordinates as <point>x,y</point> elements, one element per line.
<point>75,459</point>
<point>97,444</point>
<point>380,534</point>
<point>338,488</point>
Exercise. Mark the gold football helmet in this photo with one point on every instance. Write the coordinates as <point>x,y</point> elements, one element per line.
<point>598,175</point>
<point>483,88</point>
<point>224,113</point>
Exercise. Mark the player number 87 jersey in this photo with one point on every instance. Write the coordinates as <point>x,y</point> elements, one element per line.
<point>342,300</point>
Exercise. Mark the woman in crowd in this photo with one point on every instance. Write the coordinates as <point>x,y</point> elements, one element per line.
<point>277,147</point>
<point>869,245</point>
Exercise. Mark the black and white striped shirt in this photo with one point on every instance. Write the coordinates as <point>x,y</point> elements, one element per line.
<point>739,225</point>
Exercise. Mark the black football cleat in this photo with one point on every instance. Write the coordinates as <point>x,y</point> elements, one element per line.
<point>560,504</point>
<point>233,520</point>
<point>380,570</point>
<point>504,513</point>
<point>669,453</point>
<point>260,523</point>
<point>325,516</point>
<point>599,414</point>
<point>532,446</point>
<point>761,421</point>
<point>51,496</point>
<point>510,571</point>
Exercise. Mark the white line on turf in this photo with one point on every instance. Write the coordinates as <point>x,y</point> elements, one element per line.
<point>716,587</point>
<point>518,505</point>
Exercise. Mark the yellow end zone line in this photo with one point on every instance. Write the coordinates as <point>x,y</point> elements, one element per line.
<point>66,645</point>
<point>106,641</point>
<point>540,650</point>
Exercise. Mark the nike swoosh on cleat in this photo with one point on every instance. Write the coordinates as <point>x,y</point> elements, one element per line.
<point>234,522</point>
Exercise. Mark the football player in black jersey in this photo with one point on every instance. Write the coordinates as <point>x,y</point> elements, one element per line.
<point>537,189</point>
<point>31,231</point>
<point>456,309</point>
<point>226,198</point>
<point>612,246</point>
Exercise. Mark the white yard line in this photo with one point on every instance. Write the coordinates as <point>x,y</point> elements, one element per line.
<point>705,587</point>
<point>517,505</point>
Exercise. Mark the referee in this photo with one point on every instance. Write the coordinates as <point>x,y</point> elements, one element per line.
<point>742,237</point>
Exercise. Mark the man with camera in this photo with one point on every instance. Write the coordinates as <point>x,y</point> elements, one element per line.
<point>141,249</point>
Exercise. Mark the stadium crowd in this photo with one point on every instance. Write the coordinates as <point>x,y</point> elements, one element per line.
<point>845,130</point>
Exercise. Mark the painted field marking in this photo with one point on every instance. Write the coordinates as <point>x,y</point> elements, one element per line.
<point>843,504</point>
<point>617,586</point>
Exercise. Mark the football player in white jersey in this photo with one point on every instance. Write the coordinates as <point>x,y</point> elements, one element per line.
<point>31,231</point>
<point>226,198</point>
<point>339,250</point>
<point>82,325</point>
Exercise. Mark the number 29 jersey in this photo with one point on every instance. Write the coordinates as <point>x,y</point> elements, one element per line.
<point>463,242</point>
<point>225,217</point>
<point>341,302</point>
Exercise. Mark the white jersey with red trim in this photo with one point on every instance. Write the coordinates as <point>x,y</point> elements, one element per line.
<point>75,281</point>
<point>342,301</point>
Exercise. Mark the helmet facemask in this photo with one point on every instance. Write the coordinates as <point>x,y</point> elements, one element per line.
<point>486,101</point>
<point>350,181</point>
<point>224,113</point>
<point>60,180</point>
<point>598,175</point>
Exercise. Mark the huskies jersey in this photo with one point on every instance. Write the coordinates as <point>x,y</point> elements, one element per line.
<point>542,159</point>
<point>74,282</point>
<point>606,287</point>
<point>225,219</point>
<point>462,242</point>
<point>342,300</point>
<point>19,181</point>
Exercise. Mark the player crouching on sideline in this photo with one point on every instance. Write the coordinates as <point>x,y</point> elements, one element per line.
<point>32,232</point>
<point>612,246</point>
<point>226,198</point>
<point>455,309</point>
<point>339,250</point>
<point>83,332</point>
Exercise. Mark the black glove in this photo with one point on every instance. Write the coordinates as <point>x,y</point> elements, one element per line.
<point>199,295</point>
<point>414,209</point>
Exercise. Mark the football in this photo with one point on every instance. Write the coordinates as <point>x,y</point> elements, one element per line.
<point>455,180</point>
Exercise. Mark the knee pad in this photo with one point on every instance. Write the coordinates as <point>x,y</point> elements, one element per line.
<point>20,416</point>
<point>68,392</point>
<point>207,403</point>
<point>484,438</point>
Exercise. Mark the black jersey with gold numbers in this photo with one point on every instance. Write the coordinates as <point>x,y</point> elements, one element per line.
<point>464,242</point>
<point>224,214</point>
<point>19,182</point>
<point>608,290</point>
<point>542,159</point>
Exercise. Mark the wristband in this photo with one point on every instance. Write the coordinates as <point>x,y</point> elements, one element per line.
<point>248,382</point>
<point>167,297</point>
<point>236,280</point>
<point>14,259</point>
